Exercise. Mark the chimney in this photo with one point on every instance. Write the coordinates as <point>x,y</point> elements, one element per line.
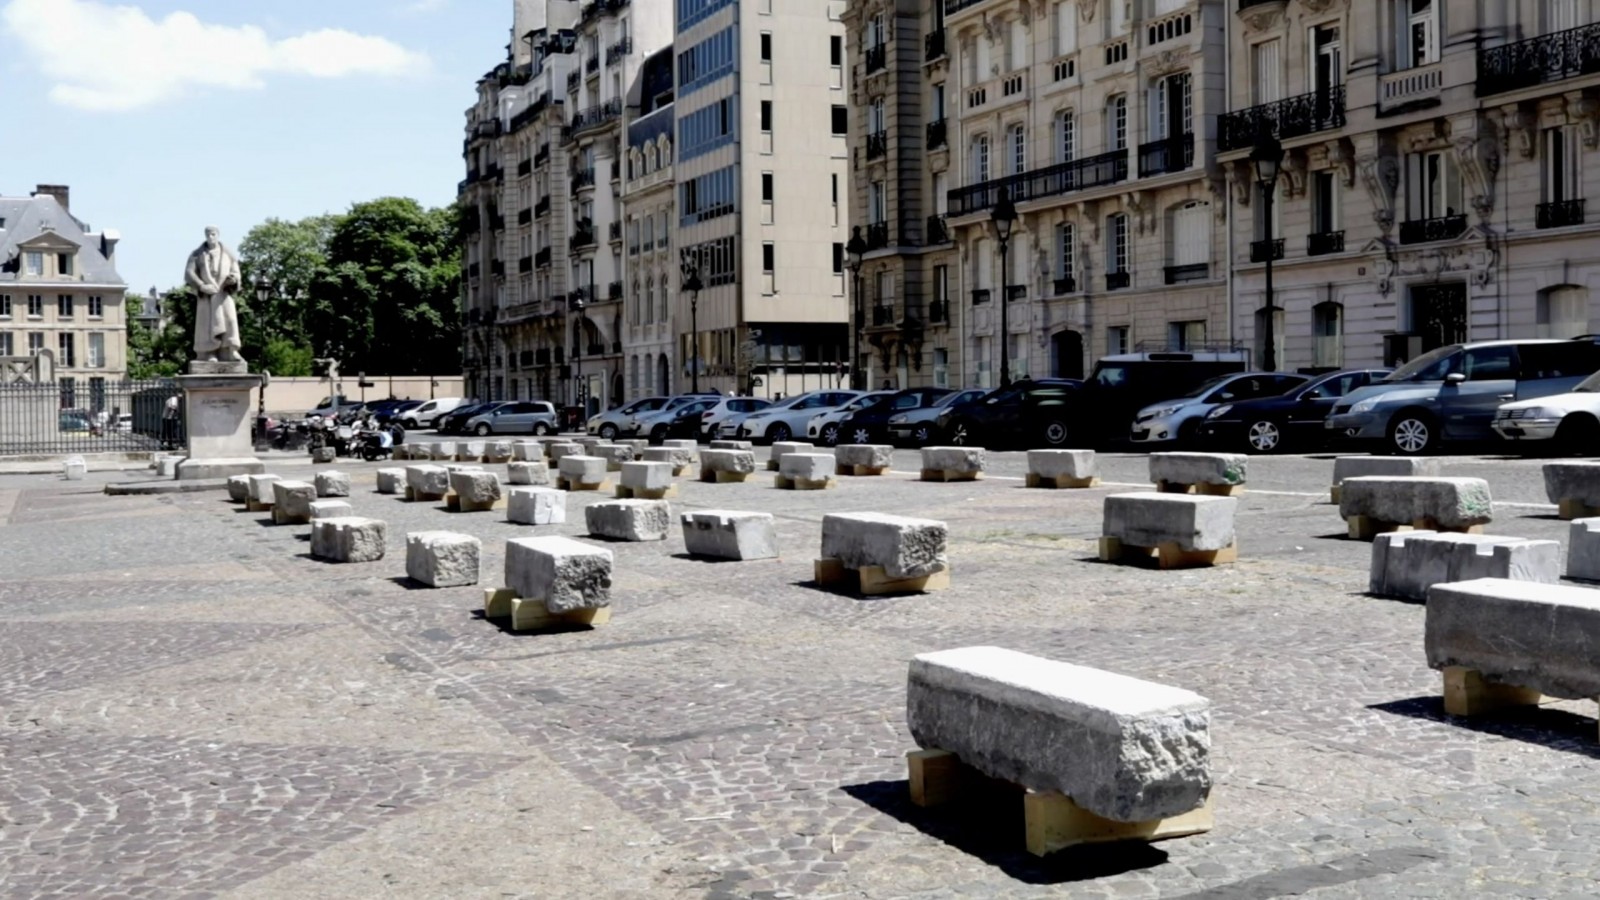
<point>61,192</point>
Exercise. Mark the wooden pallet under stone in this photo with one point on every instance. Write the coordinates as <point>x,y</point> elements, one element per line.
<point>629,493</point>
<point>1204,488</point>
<point>534,615</point>
<point>1363,528</point>
<point>873,581</point>
<point>1041,481</point>
<point>1169,555</point>
<point>949,475</point>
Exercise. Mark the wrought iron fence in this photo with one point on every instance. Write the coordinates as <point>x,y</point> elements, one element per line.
<point>89,415</point>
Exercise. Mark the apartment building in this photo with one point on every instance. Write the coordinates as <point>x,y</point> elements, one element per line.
<point>1435,167</point>
<point>61,296</point>
<point>648,198</point>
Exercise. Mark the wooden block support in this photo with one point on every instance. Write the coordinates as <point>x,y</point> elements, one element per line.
<point>1333,495</point>
<point>873,581</point>
<point>1362,528</point>
<point>257,506</point>
<point>415,496</point>
<point>949,475</point>
<point>1209,490</point>
<point>533,615</point>
<point>628,493</point>
<point>1168,554</point>
<point>784,482</point>
<point>1576,509</point>
<point>720,477</point>
<point>935,776</point>
<point>497,602</point>
<point>453,502</point>
<point>860,471</point>
<point>1467,694</point>
<point>1040,481</point>
<point>1053,822</point>
<point>279,517</point>
<point>566,485</point>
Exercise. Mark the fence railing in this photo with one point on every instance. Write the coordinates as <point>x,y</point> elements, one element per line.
<point>89,415</point>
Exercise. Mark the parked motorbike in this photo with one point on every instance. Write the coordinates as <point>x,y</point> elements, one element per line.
<point>374,444</point>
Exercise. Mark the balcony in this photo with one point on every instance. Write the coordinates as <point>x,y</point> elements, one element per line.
<point>616,52</point>
<point>595,116</point>
<point>1541,60</point>
<point>1261,251</point>
<point>1410,86</point>
<point>614,232</point>
<point>497,268</point>
<point>582,178</point>
<point>583,234</point>
<point>933,45</point>
<point>1291,117</point>
<point>525,359</point>
<point>1016,292</point>
<point>541,358</point>
<point>980,296</point>
<point>524,216</point>
<point>1558,214</point>
<point>937,231</point>
<point>936,134</point>
<point>542,156</point>
<point>595,348</point>
<point>1067,285</point>
<point>614,291</point>
<point>877,145</point>
<point>1442,228</point>
<point>497,222</point>
<point>573,78</point>
<point>877,58</point>
<point>882,315</point>
<point>1323,243</point>
<point>1187,273</point>
<point>542,207</point>
<point>473,271</point>
<point>591,65</point>
<point>525,265</point>
<point>1173,154</point>
<point>1119,281</point>
<point>1061,178</point>
<point>525,168</point>
<point>939,311</point>
<point>877,235</point>
<point>541,258</point>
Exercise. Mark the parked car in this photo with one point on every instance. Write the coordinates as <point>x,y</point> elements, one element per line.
<point>73,421</point>
<point>871,425</point>
<point>1454,393</point>
<point>682,422</point>
<point>1292,420</point>
<point>1122,385</point>
<point>332,406</point>
<point>788,417</point>
<point>621,421</point>
<point>918,427</point>
<point>1563,423</point>
<point>725,409</point>
<point>728,427</point>
<point>455,421</point>
<point>823,428</point>
<point>428,414</point>
<point>1029,413</point>
<point>516,417</point>
<point>1177,421</point>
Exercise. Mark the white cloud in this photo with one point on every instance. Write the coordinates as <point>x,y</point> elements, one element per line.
<point>118,58</point>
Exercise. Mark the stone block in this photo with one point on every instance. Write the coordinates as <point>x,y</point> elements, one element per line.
<point>442,558</point>
<point>589,443</point>
<point>565,574</point>
<point>1583,550</point>
<point>629,520</point>
<point>239,488</point>
<point>323,456</point>
<point>166,465</point>
<point>679,458</point>
<point>348,539</point>
<point>1063,467</point>
<point>536,506</point>
<point>953,463</point>
<point>391,481</point>
<point>647,476</point>
<point>1405,564</point>
<point>806,471</point>
<point>583,470</point>
<point>1538,636</point>
<point>330,509</point>
<point>1204,472</point>
<point>555,451</point>
<point>718,460</point>
<point>639,445</point>
<point>444,450</point>
<point>1574,487</point>
<point>1390,466</point>
<point>1191,522</point>
<point>291,501</point>
<point>614,455</point>
<point>863,459</point>
<point>730,534</point>
<point>497,451</point>
<point>74,468</point>
<point>1122,748</point>
<point>528,451</point>
<point>692,446</point>
<point>454,467</point>
<point>1447,504</point>
<point>471,451</point>
<point>427,481</point>
<point>903,547</point>
<point>731,445</point>
<point>780,449</point>
<point>475,490</point>
<point>530,472</point>
<point>261,489</point>
<point>333,484</point>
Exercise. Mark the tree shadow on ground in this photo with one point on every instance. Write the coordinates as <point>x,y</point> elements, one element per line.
<point>1555,729</point>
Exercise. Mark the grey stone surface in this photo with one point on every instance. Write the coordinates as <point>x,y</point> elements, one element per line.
<point>718,460</point>
<point>443,450</point>
<point>1540,636</point>
<point>428,479</point>
<point>780,449</point>
<point>475,487</point>
<point>74,468</point>
<point>649,476</point>
<point>1406,563</point>
<point>1199,468</point>
<point>903,546</point>
<point>1193,522</point>
<point>528,451</point>
<point>536,506</point>
<point>1062,464</point>
<point>239,488</point>
<point>497,451</point>
<point>1583,549</point>
<point>874,456</point>
<point>806,466</point>
<point>530,472</point>
<point>261,488</point>
<point>1448,502</point>
<point>566,574</point>
<point>1392,466</point>
<point>333,484</point>
<point>166,466</point>
<point>731,445</point>
<point>590,442</point>
<point>555,450</point>
<point>473,450</point>
<point>730,534</point>
<point>683,444</point>
<point>293,499</point>
<point>1578,481</point>
<point>390,480</point>
<point>630,520</point>
<point>678,457</point>
<point>639,445</point>
<point>323,455</point>
<point>328,509</point>
<point>583,469</point>
<point>454,467</point>
<point>954,459</point>
<point>614,454</point>
<point>348,539</point>
<point>1122,748</point>
<point>442,558</point>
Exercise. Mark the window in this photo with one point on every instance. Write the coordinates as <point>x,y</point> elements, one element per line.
<point>766,46</point>
<point>97,351</point>
<point>33,263</point>
<point>1265,70</point>
<point>1191,237</point>
<point>936,102</point>
<point>766,187</point>
<point>766,115</point>
<point>1433,188</point>
<point>707,61</point>
<point>1171,109</point>
<point>67,356</point>
<point>767,256</point>
<point>1327,337</point>
<point>5,306</point>
<point>1116,340</point>
<point>836,50</point>
<point>841,119</point>
<point>1560,160</point>
<point>1560,15</point>
<point>1325,202</point>
<point>1066,254</point>
<point>6,348</point>
<point>35,343</point>
<point>1420,33</point>
<point>1116,244</point>
<point>980,158</point>
<point>63,263</point>
<point>1017,138</point>
<point>876,120</point>
<point>1327,72</point>
<point>35,306</point>
<point>1490,363</point>
<point>1066,27</point>
<point>1117,122</point>
<point>1066,136</point>
<point>877,203</point>
<point>1186,335</point>
<point>64,307</point>
<point>838,258</point>
<point>941,284</point>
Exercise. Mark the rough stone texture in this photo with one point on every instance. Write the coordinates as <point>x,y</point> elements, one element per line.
<point>677,457</point>
<point>806,466</point>
<point>727,460</point>
<point>583,469</point>
<point>455,467</point>
<point>432,480</point>
<point>615,455</point>
<point>1063,464</point>
<point>1540,636</point>
<point>261,488</point>
<point>239,488</point>
<point>1448,502</point>
<point>497,451</point>
<point>647,476</point>
<point>1199,468</point>
<point>1578,481</point>
<point>589,443</point>
<point>536,506</point>
<point>444,450</point>
<point>530,472</point>
<point>684,444</point>
<point>1405,564</point>
<point>528,451</point>
<point>780,449</point>
<point>442,558</point>
<point>73,468</point>
<point>1193,522</point>
<point>873,456</point>
<point>1391,466</point>
<point>323,455</point>
<point>348,539</point>
<point>556,450</point>
<point>1583,549</point>
<point>954,459</point>
<point>629,520</point>
<point>391,480</point>
<point>292,499</point>
<point>731,445</point>
<point>639,445</point>
<point>475,487</point>
<point>333,484</point>
<point>904,547</point>
<point>329,509</point>
<point>1122,748</point>
<point>166,466</point>
<point>730,534</point>
<point>565,574</point>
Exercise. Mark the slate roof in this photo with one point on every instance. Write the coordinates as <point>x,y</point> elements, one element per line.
<point>25,218</point>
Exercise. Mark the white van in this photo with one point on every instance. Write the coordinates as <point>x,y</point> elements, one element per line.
<point>427,415</point>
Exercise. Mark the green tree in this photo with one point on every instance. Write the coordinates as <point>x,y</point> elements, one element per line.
<point>284,358</point>
<point>280,261</point>
<point>163,353</point>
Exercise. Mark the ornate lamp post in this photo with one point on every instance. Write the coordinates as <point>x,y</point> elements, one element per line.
<point>855,249</point>
<point>1005,218</point>
<point>1267,157</point>
<point>689,270</point>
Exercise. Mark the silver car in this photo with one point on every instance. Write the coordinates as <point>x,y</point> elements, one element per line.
<point>917,428</point>
<point>787,418</point>
<point>624,419</point>
<point>518,417</point>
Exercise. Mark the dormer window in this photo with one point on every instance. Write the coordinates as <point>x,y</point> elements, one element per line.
<point>64,264</point>
<point>33,263</point>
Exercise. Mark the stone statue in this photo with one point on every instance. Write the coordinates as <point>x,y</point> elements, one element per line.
<point>213,272</point>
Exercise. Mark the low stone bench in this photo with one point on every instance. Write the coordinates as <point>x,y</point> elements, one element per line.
<point>639,445</point>
<point>536,506</point>
<point>330,509</point>
<point>348,539</point>
<point>1387,466</point>
<point>589,443</point>
<point>528,451</point>
<point>333,484</point>
<point>614,455</point>
<point>726,465</point>
<point>530,472</point>
<point>552,582</point>
<point>239,488</point>
<point>862,459</point>
<point>1505,643</point>
<point>291,502</point>
<point>441,559</point>
<point>443,451</point>
<point>323,456</point>
<point>688,444</point>
<point>888,554</point>
<point>1583,550</point>
<point>646,481</point>
<point>474,492</point>
<point>805,472</point>
<point>731,445</point>
<point>1405,564</point>
<point>780,449</point>
<point>261,497</point>
<point>1180,530</point>
<point>1574,487</point>
<point>427,482</point>
<point>729,534</point>
<point>1062,469</point>
<point>391,481</point>
<point>953,463</point>
<point>1213,474</point>
<point>556,450</point>
<point>471,451</point>
<point>629,520</point>
<point>679,458</point>
<point>497,452</point>
<point>583,473</point>
<point>1104,757</point>
<point>1372,505</point>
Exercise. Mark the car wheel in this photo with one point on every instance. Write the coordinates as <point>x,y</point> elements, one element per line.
<point>608,431</point>
<point>961,434</point>
<point>830,435</point>
<point>1412,433</point>
<point>1265,436</point>
<point>1054,434</point>
<point>860,435</point>
<point>778,432</point>
<point>409,424</point>
<point>1578,435</point>
<point>483,429</point>
<point>541,428</point>
<point>922,435</point>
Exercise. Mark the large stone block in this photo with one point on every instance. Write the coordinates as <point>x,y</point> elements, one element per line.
<point>1445,503</point>
<point>391,481</point>
<point>614,455</point>
<point>239,488</point>
<point>780,449</point>
<point>1405,564</point>
<point>583,470</point>
<point>479,489</point>
<point>555,451</point>
<point>291,501</point>
<point>427,481</point>
<point>565,574</point>
<point>731,445</point>
<point>1063,465</point>
<point>166,465</point>
<point>530,472</point>
<point>323,455</point>
<point>1583,550</point>
<point>1385,466</point>
<point>1122,748</point>
<point>261,488</point>
<point>953,463</point>
<point>442,558</point>
<point>497,451</point>
<point>805,471</point>
<point>630,520</point>
<point>862,459</point>
<point>333,484</point>
<point>1192,522</point>
<point>647,476</point>
<point>639,445</point>
<point>1574,487</point>
<point>444,450</point>
<point>528,451</point>
<point>348,539</point>
<point>903,547</point>
<point>330,509</point>
<point>740,461</point>
<point>1538,636</point>
<point>692,446</point>
<point>730,534</point>
<point>589,443</point>
<point>679,458</point>
<point>1202,470</point>
<point>536,506</point>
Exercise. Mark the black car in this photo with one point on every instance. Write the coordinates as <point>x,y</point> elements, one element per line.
<point>685,422</point>
<point>1029,413</point>
<point>871,425</point>
<point>455,421</point>
<point>1292,420</point>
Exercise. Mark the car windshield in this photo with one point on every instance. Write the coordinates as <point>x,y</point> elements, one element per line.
<point>1589,385</point>
<point>1417,369</point>
<point>787,402</point>
<point>1206,387</point>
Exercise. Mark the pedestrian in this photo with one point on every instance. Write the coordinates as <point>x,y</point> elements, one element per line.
<point>169,423</point>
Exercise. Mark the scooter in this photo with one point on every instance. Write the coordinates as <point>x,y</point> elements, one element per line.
<point>374,445</point>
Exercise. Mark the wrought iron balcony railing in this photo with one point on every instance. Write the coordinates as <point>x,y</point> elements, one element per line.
<point>877,144</point>
<point>1118,281</point>
<point>525,216</point>
<point>614,231</point>
<point>1539,60</point>
<point>877,58</point>
<point>543,206</point>
<point>877,235</point>
<point>1558,214</point>
<point>1173,154</point>
<point>583,235</point>
<point>1016,292</point>
<point>582,178</point>
<point>933,45</point>
<point>1067,285</point>
<point>1186,273</point>
<point>882,315</point>
<point>1440,228</point>
<point>939,311</point>
<point>1261,251</point>
<point>617,51</point>
<point>937,232</point>
<point>936,134</point>
<point>525,168</point>
<point>525,264</point>
<point>1290,117</point>
<point>981,295</point>
<point>541,258</point>
<point>1324,242</point>
<point>1061,178</point>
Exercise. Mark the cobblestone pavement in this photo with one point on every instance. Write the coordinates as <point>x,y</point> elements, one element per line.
<point>191,706</point>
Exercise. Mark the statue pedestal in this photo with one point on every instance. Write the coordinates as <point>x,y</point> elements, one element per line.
<point>219,411</point>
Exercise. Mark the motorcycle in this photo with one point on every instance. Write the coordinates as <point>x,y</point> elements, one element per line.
<point>374,444</point>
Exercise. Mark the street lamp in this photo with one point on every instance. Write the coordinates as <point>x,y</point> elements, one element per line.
<point>690,281</point>
<point>1005,218</point>
<point>855,249</point>
<point>1267,157</point>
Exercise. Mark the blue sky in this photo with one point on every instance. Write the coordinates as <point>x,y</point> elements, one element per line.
<point>167,115</point>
